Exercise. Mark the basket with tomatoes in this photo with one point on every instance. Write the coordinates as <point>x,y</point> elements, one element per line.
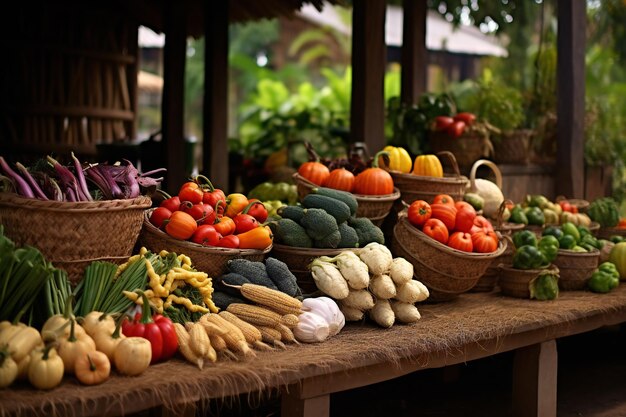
<point>209,226</point>
<point>372,187</point>
<point>449,244</point>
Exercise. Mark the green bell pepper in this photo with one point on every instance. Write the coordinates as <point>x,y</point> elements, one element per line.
<point>517,215</point>
<point>590,240</point>
<point>545,286</point>
<point>537,201</point>
<point>535,216</point>
<point>549,248</point>
<point>609,268</point>
<point>553,231</point>
<point>524,237</point>
<point>604,278</point>
<point>527,257</point>
<point>567,242</point>
<point>570,228</point>
<point>583,231</point>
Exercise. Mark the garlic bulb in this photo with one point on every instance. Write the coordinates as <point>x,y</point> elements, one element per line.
<point>328,309</point>
<point>311,328</point>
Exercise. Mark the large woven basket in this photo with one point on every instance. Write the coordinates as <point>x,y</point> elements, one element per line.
<point>209,259</point>
<point>446,272</point>
<point>419,187</point>
<point>516,282</point>
<point>374,207</point>
<point>513,147</point>
<point>607,232</point>
<point>467,149</point>
<point>72,235</point>
<point>488,281</point>
<point>576,268</point>
<point>298,260</point>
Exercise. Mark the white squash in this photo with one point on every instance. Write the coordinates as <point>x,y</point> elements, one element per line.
<point>489,191</point>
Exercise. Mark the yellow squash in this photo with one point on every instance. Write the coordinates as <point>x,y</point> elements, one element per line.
<point>428,166</point>
<point>399,159</point>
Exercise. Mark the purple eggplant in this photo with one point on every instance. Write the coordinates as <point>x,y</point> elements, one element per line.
<point>21,186</point>
<point>82,183</point>
<point>31,181</point>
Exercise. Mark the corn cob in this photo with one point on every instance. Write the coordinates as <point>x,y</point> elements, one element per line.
<point>286,334</point>
<point>276,300</point>
<point>251,333</point>
<point>272,336</point>
<point>289,320</point>
<point>199,341</point>
<point>259,316</point>
<point>234,338</point>
<point>184,346</point>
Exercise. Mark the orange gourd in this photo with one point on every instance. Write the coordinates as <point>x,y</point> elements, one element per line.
<point>374,180</point>
<point>257,238</point>
<point>428,166</point>
<point>340,179</point>
<point>314,171</point>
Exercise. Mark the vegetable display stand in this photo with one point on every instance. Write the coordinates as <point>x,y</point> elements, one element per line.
<point>71,235</point>
<point>374,207</point>
<point>419,187</point>
<point>576,268</point>
<point>298,260</point>
<point>513,147</point>
<point>447,272</point>
<point>516,282</point>
<point>209,259</point>
<point>467,148</point>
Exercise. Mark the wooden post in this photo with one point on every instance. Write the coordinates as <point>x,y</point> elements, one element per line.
<point>534,380</point>
<point>215,109</point>
<point>414,53</point>
<point>172,111</point>
<point>131,74</point>
<point>367,110</point>
<point>570,176</point>
<point>293,406</point>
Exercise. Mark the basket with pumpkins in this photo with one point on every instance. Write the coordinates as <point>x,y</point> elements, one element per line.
<point>371,184</point>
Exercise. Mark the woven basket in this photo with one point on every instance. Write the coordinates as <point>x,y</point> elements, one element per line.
<point>446,272</point>
<point>607,232</point>
<point>419,187</point>
<point>466,148</point>
<point>72,235</point>
<point>298,260</point>
<point>513,147</point>
<point>209,259</point>
<point>537,230</point>
<point>374,207</point>
<point>515,282</point>
<point>488,281</point>
<point>580,204</point>
<point>576,268</point>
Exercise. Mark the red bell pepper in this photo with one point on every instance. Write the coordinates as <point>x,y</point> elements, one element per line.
<point>156,328</point>
<point>257,210</point>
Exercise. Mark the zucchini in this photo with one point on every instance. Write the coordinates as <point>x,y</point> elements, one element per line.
<point>336,208</point>
<point>329,241</point>
<point>318,223</point>
<point>254,271</point>
<point>367,231</point>
<point>291,212</point>
<point>290,233</point>
<point>282,277</point>
<point>349,237</point>
<point>344,196</point>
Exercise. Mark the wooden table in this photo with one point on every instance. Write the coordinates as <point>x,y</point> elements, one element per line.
<point>472,327</point>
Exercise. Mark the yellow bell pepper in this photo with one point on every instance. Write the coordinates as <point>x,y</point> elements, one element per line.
<point>399,159</point>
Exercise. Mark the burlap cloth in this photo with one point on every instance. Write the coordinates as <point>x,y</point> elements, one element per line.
<point>444,327</point>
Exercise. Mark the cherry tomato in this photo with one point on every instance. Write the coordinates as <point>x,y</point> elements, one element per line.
<point>172,204</point>
<point>443,122</point>
<point>436,229</point>
<point>456,129</point>
<point>206,235</point>
<point>230,241</point>
<point>467,118</point>
<point>159,215</point>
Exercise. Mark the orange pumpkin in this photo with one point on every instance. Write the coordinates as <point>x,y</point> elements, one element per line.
<point>340,179</point>
<point>314,171</point>
<point>374,180</point>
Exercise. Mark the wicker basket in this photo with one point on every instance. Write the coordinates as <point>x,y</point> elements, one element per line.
<point>607,232</point>
<point>374,207</point>
<point>446,272</point>
<point>209,259</point>
<point>576,268</point>
<point>488,281</point>
<point>419,187</point>
<point>72,235</point>
<point>537,230</point>
<point>467,148</point>
<point>515,282</point>
<point>580,204</point>
<point>513,147</point>
<point>298,260</point>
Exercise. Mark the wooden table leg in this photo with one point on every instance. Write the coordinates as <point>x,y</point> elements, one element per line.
<point>534,380</point>
<point>294,406</point>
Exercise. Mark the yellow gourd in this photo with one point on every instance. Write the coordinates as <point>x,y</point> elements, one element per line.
<point>428,166</point>
<point>132,355</point>
<point>46,368</point>
<point>399,159</point>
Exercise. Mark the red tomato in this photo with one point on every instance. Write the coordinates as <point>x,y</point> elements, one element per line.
<point>190,193</point>
<point>443,199</point>
<point>443,122</point>
<point>230,241</point>
<point>436,229</point>
<point>467,118</point>
<point>465,218</point>
<point>257,210</point>
<point>172,204</point>
<point>181,225</point>
<point>565,205</point>
<point>212,197</point>
<point>456,129</point>
<point>244,223</point>
<point>159,215</point>
<point>481,224</point>
<point>444,212</point>
<point>206,235</point>
<point>419,211</point>
<point>462,204</point>
<point>461,241</point>
<point>485,242</point>
<point>200,212</point>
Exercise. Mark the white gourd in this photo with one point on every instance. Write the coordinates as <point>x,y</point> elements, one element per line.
<point>311,328</point>
<point>489,191</point>
<point>412,292</point>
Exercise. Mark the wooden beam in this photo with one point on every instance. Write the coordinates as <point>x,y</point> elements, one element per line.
<point>173,107</point>
<point>131,75</point>
<point>367,112</point>
<point>534,380</point>
<point>414,53</point>
<point>215,128</point>
<point>570,176</point>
